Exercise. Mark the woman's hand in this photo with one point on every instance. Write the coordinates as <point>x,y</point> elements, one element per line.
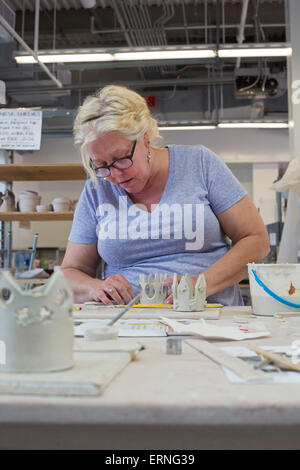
<point>114,288</point>
<point>169,281</point>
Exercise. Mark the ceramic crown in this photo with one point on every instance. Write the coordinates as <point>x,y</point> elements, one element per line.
<point>153,291</point>
<point>36,333</point>
<point>184,299</point>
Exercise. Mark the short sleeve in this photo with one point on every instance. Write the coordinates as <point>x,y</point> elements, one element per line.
<point>84,223</point>
<point>224,189</point>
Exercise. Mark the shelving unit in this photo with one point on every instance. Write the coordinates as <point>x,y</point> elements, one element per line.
<point>40,172</point>
<point>35,216</point>
<point>11,172</point>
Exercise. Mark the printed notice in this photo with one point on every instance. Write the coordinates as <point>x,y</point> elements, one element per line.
<point>20,129</point>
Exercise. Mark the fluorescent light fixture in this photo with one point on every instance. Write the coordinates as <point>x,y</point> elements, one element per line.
<point>114,56</point>
<point>138,54</point>
<point>61,58</point>
<point>255,52</point>
<point>166,54</point>
<point>254,125</point>
<point>186,128</point>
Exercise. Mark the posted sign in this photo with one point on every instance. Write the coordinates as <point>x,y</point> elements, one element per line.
<point>20,129</point>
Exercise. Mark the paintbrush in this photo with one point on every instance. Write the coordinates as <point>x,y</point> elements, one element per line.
<point>124,310</point>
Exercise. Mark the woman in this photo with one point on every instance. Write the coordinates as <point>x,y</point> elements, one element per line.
<point>147,209</point>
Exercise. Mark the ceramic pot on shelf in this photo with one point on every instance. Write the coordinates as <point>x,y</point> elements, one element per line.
<point>44,207</point>
<point>28,200</point>
<point>61,204</point>
<point>7,201</point>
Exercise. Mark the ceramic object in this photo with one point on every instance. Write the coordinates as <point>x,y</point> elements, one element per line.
<point>44,208</point>
<point>10,270</point>
<point>28,200</point>
<point>73,204</point>
<point>36,332</point>
<point>184,299</point>
<point>101,333</point>
<point>7,202</point>
<point>61,204</point>
<point>153,291</point>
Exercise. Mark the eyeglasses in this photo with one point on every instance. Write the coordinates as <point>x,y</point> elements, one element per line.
<point>121,164</point>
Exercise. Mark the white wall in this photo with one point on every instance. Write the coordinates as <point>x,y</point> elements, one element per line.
<point>264,174</point>
<point>263,147</point>
<point>238,145</point>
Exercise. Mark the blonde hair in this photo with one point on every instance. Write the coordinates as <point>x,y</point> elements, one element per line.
<point>112,109</point>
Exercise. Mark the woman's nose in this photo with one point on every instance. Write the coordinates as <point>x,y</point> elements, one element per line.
<point>115,171</point>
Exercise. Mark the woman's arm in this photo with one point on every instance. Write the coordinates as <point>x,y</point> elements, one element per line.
<point>245,227</point>
<point>79,267</point>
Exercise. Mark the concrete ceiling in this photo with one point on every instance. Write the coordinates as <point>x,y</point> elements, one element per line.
<point>190,90</point>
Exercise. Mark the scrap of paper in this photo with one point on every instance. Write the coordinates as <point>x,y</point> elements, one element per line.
<point>234,332</point>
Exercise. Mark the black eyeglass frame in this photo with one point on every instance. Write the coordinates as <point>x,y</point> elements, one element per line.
<point>113,164</point>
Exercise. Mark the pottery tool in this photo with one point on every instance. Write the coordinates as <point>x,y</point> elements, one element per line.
<point>108,331</point>
<point>280,361</point>
<point>124,310</point>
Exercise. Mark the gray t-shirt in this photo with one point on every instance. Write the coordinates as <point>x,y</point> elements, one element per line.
<point>181,235</point>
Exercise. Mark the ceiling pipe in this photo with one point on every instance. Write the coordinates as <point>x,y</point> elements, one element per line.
<point>188,28</point>
<point>241,36</point>
<point>36,26</point>
<point>127,35</point>
<point>132,83</point>
<point>15,35</point>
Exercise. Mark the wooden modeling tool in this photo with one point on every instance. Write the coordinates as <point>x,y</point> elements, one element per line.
<point>280,361</point>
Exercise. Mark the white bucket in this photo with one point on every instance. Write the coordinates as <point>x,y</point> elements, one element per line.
<point>274,288</point>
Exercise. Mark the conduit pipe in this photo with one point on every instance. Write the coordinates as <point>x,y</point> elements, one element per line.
<point>240,36</point>
<point>18,38</point>
<point>36,26</point>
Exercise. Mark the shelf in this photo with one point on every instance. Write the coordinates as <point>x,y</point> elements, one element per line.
<point>35,216</point>
<point>42,172</point>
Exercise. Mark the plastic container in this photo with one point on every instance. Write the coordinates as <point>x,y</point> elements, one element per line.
<point>274,288</point>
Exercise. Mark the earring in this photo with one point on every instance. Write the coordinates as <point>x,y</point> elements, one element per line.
<point>148,156</point>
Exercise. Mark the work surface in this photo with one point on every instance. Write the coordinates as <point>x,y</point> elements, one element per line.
<point>163,401</point>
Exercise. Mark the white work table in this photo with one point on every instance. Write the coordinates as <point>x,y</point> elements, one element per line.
<point>162,401</point>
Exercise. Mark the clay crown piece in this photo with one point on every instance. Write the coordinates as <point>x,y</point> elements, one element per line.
<point>184,299</point>
<point>153,291</point>
<point>37,330</point>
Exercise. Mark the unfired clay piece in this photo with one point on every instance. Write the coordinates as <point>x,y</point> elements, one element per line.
<point>100,334</point>
<point>7,201</point>
<point>36,333</point>
<point>184,299</point>
<point>153,291</point>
